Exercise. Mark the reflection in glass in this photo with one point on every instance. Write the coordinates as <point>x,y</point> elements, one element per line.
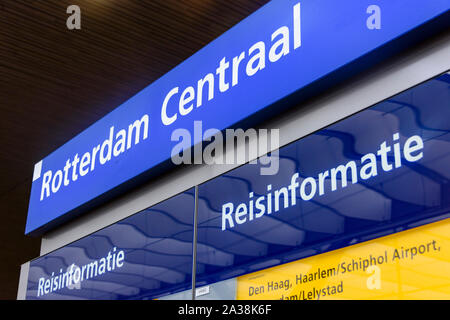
<point>157,258</point>
<point>398,196</point>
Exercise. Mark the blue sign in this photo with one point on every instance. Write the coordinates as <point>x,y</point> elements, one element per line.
<point>280,51</point>
<point>396,160</point>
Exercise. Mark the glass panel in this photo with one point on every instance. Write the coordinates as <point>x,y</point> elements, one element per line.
<point>377,172</point>
<point>145,256</point>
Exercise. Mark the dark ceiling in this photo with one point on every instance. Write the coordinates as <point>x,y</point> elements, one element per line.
<point>55,82</point>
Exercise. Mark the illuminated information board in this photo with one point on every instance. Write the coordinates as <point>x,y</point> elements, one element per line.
<point>409,265</point>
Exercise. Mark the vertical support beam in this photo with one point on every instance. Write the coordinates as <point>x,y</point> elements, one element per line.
<point>194,243</point>
<point>23,281</point>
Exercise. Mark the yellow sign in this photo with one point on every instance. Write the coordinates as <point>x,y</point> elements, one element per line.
<point>413,264</point>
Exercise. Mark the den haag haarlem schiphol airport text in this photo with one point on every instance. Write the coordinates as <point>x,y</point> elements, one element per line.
<point>369,264</point>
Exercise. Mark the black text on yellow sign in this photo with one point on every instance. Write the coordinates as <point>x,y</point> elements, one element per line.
<point>408,265</point>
